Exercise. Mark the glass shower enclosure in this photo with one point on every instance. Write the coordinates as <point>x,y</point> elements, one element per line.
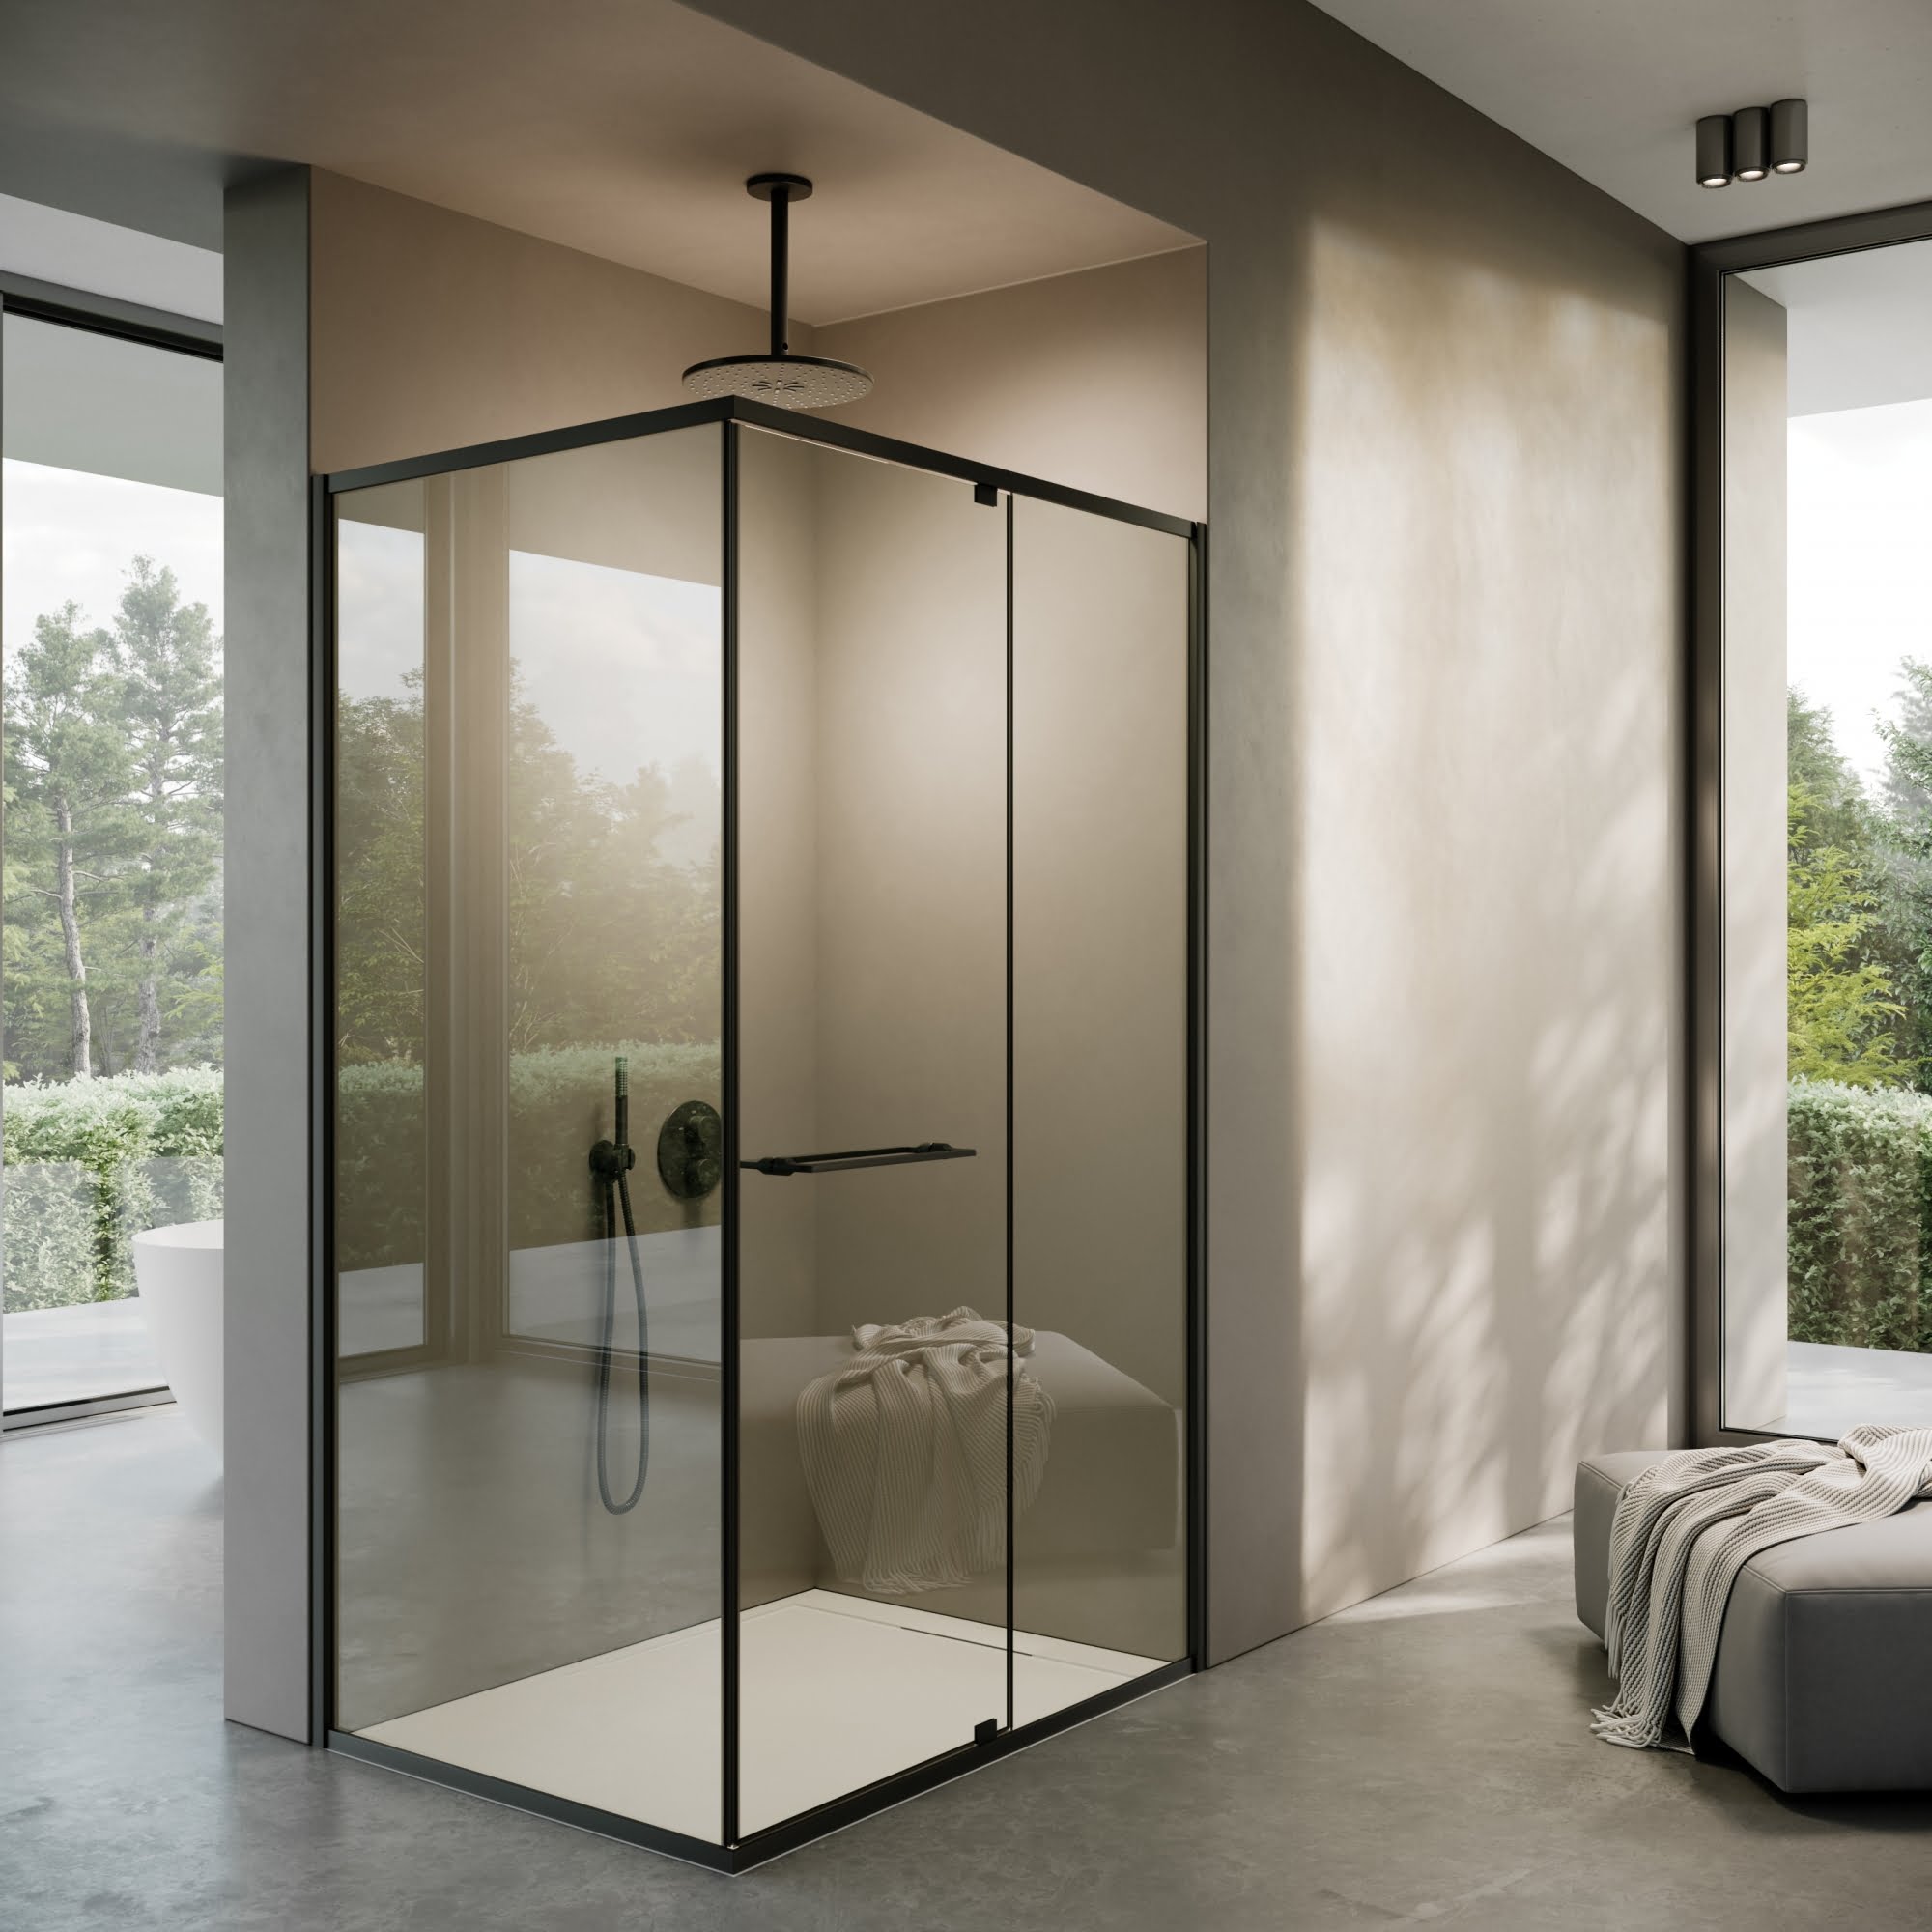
<point>758,1209</point>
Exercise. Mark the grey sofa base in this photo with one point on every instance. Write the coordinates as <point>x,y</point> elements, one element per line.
<point>1824,1673</point>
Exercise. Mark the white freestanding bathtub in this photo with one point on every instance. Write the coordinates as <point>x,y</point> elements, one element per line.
<point>178,1271</point>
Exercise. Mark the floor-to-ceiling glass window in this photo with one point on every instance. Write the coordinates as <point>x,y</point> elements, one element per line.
<point>111,972</point>
<point>1827,1317</point>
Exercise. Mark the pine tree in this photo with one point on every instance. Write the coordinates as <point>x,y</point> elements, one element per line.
<point>167,662</point>
<point>70,832</point>
<point>1840,1011</point>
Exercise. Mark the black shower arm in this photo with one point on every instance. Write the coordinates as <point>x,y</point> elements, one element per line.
<point>781,272</point>
<point>833,1163</point>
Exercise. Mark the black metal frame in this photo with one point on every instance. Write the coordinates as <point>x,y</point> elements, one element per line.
<point>1709,265</point>
<point>742,1853</point>
<point>109,315</point>
<point>37,301</point>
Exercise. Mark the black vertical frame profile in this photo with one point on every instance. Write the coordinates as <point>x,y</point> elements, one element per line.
<point>730,1250</point>
<point>740,1852</point>
<point>1012,1314</point>
<point>1196,1153</point>
<point>1711,267</point>
<point>322,686</point>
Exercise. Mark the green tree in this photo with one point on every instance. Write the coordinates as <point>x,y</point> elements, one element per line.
<point>1905,860</point>
<point>1840,1012</point>
<point>70,833</point>
<point>167,660</point>
<point>1837,812</point>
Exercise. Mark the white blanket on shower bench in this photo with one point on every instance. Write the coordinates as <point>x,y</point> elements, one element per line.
<point>904,1450</point>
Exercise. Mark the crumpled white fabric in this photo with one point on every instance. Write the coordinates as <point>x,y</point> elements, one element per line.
<point>905,1450</point>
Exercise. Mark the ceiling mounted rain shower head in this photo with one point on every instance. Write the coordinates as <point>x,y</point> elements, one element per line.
<point>790,382</point>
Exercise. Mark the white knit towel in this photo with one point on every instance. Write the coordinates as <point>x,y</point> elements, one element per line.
<point>1685,1528</point>
<point>905,1451</point>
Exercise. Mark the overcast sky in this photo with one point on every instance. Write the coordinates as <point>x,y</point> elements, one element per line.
<point>1860,563</point>
<point>69,534</point>
<point>624,668</point>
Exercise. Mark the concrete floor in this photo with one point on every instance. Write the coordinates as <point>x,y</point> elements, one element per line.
<point>93,1348</point>
<point>1830,1389</point>
<point>1424,1758</point>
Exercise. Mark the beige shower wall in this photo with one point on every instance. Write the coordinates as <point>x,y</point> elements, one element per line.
<point>911,889</point>
<point>431,329</point>
<point>1096,380</point>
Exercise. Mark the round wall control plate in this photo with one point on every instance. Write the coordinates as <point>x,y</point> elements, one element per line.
<point>691,1150</point>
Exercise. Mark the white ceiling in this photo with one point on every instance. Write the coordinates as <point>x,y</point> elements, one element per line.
<point>1858,328</point>
<point>76,252</point>
<point>1611,88</point>
<point>81,401</point>
<point>624,127</point>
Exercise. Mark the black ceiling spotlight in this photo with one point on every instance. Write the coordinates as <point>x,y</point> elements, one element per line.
<point>1750,137</point>
<point>1752,143</point>
<point>1714,150</point>
<point>1790,136</point>
<point>791,382</point>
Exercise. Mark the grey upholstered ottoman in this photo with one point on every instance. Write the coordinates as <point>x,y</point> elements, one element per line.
<point>1824,1671</point>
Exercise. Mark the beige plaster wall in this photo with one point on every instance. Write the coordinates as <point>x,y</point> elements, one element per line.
<point>431,329</point>
<point>1097,379</point>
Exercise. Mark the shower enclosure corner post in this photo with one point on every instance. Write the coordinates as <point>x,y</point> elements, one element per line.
<point>321,1111</point>
<point>1196,1437</point>
<point>1012,1365</point>
<point>727,1043</point>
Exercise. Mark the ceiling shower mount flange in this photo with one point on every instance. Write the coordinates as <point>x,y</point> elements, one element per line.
<point>790,382</point>
<point>779,188</point>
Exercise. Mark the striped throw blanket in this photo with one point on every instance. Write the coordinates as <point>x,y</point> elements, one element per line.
<point>905,1451</point>
<point>1685,1528</point>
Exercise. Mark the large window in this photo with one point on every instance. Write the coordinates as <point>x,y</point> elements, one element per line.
<point>111,973</point>
<point>1827,1313</point>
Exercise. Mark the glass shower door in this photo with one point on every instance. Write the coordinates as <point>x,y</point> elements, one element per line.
<point>872,1016</point>
<point>1100,1091</point>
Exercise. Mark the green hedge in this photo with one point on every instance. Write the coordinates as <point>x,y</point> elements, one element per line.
<point>1859,1216</point>
<point>86,1164</point>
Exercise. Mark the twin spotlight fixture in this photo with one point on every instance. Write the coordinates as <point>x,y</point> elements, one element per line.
<point>1752,143</point>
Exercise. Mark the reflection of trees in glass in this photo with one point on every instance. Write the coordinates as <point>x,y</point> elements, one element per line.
<point>610,936</point>
<point>613,909</point>
<point>113,916</point>
<point>381,953</point>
